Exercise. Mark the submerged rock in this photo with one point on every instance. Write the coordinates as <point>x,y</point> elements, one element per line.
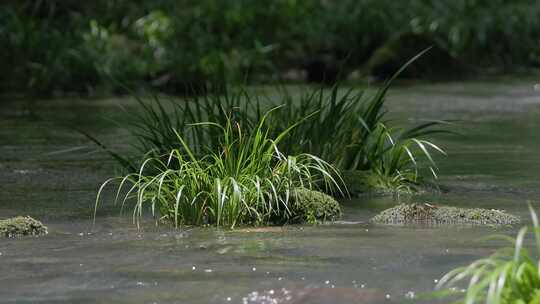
<point>431,214</point>
<point>310,206</point>
<point>391,56</point>
<point>21,226</point>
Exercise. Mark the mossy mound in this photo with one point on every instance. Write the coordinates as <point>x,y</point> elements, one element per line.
<point>310,206</point>
<point>21,226</point>
<point>430,214</point>
<point>436,63</point>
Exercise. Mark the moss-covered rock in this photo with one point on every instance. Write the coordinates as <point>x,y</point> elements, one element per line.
<point>21,226</point>
<point>310,206</point>
<point>391,56</point>
<point>431,214</point>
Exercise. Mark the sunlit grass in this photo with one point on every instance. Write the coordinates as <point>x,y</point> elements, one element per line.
<point>243,179</point>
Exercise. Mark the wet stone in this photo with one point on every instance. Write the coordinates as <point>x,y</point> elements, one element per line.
<point>21,226</point>
<point>433,214</point>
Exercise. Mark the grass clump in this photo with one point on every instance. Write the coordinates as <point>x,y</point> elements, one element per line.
<point>243,180</point>
<point>511,275</point>
<point>352,132</point>
<point>155,127</point>
<point>349,129</point>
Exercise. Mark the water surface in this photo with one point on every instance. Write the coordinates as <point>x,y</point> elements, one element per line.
<point>49,171</point>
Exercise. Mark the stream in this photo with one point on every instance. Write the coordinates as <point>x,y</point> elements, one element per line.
<point>51,172</point>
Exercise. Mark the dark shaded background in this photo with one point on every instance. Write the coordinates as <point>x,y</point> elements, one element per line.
<point>91,47</point>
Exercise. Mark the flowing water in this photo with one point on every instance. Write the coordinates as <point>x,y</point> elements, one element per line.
<point>49,171</point>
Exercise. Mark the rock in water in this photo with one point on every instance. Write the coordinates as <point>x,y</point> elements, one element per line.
<point>430,214</point>
<point>21,226</point>
<point>436,63</point>
<point>310,206</point>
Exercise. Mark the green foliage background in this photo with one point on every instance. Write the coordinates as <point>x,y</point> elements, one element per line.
<point>82,46</point>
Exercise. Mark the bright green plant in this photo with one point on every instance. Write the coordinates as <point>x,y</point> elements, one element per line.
<point>511,275</point>
<point>245,180</point>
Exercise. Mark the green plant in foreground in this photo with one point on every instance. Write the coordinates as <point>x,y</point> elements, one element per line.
<point>245,181</point>
<point>511,275</point>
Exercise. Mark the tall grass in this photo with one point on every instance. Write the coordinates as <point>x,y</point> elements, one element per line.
<point>155,127</point>
<point>243,179</point>
<point>511,275</point>
<point>349,129</point>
